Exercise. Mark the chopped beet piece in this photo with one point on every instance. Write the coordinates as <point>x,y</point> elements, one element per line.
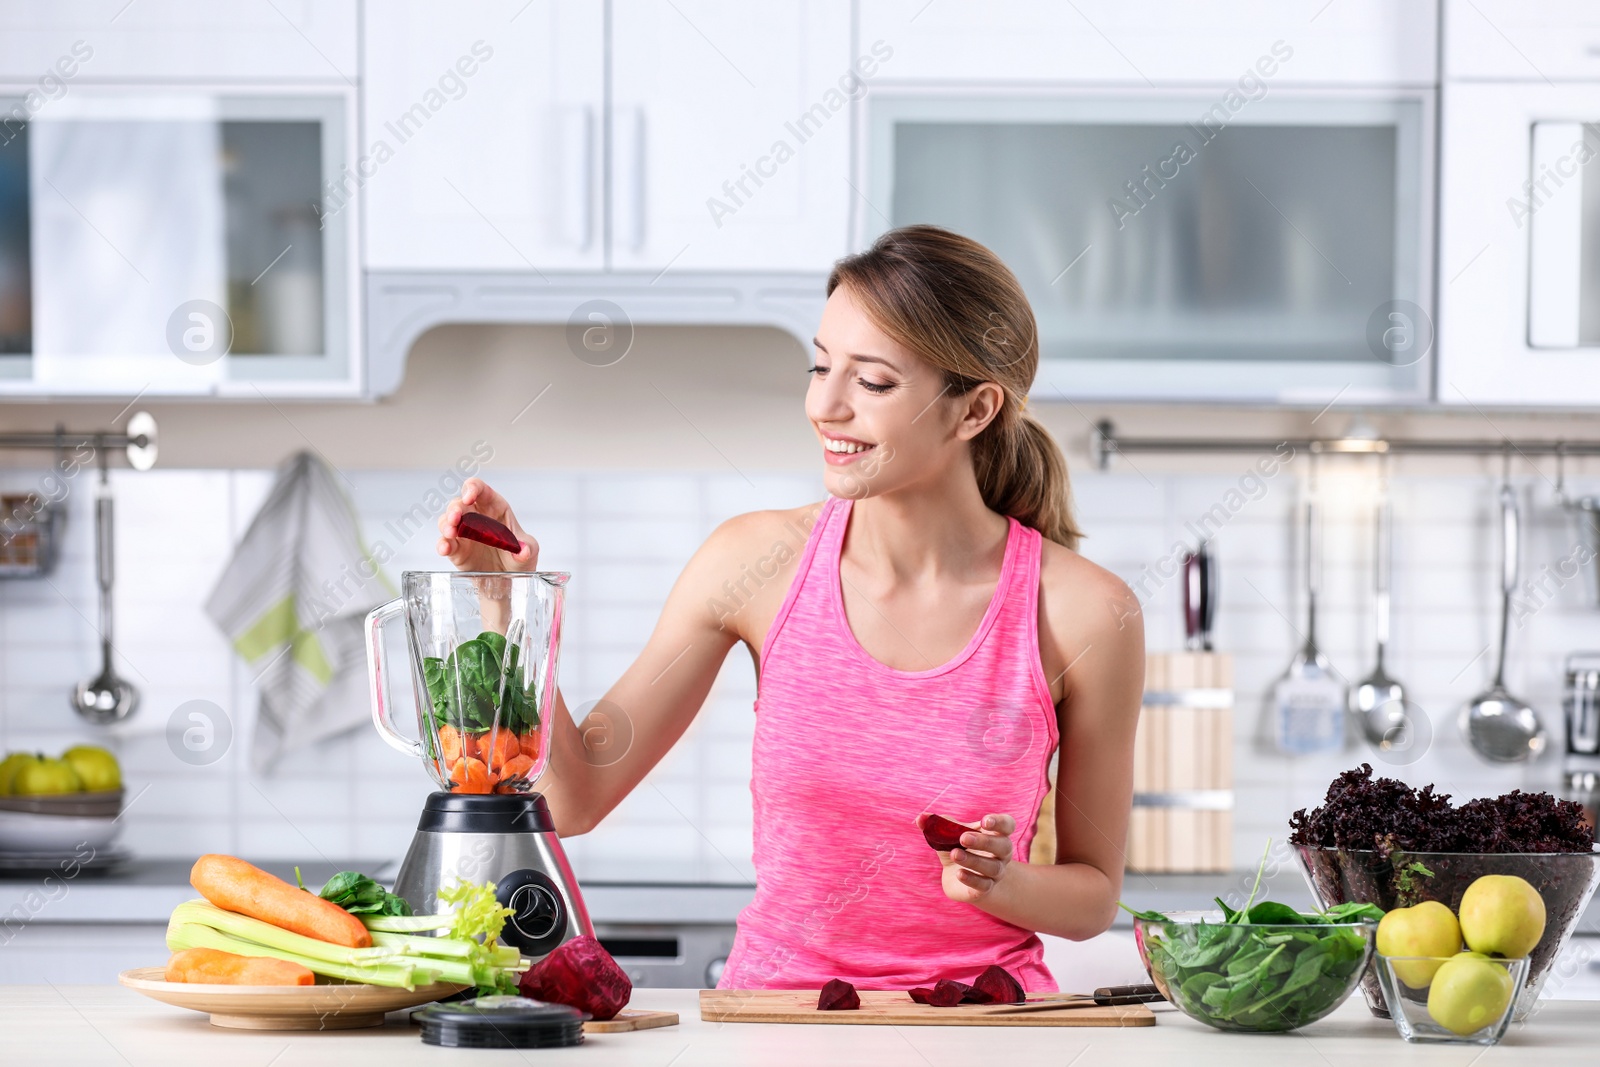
<point>483,529</point>
<point>996,986</point>
<point>942,834</point>
<point>947,993</point>
<point>582,974</point>
<point>922,994</point>
<point>838,995</point>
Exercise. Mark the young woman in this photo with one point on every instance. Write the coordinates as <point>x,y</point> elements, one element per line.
<point>923,641</point>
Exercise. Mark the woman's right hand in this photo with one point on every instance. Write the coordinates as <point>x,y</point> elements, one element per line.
<point>469,555</point>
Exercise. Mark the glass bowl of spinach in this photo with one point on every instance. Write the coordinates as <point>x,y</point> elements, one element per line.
<point>1261,969</point>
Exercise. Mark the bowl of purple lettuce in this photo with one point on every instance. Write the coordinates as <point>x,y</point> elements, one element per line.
<point>1380,841</point>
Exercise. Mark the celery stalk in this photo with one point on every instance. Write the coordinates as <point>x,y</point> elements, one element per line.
<point>505,956</point>
<point>391,972</point>
<point>264,933</point>
<point>407,924</point>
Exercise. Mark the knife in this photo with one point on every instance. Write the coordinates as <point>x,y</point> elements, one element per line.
<point>1104,997</point>
<point>1199,597</point>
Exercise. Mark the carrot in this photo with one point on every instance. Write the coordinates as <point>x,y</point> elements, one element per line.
<point>517,767</point>
<point>529,743</point>
<point>449,743</point>
<point>209,966</point>
<point>471,776</point>
<point>234,885</point>
<point>497,748</point>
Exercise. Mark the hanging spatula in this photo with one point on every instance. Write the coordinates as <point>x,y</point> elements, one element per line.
<point>1309,700</point>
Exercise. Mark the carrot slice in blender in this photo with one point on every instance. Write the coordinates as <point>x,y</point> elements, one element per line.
<point>516,767</point>
<point>449,743</point>
<point>497,748</point>
<point>529,743</point>
<point>470,776</point>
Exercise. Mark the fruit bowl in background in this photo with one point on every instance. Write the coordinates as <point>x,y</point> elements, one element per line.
<point>1165,945</point>
<point>1565,881</point>
<point>1421,1016</point>
<point>26,831</point>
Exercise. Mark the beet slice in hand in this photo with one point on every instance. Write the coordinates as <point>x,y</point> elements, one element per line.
<point>996,986</point>
<point>582,974</point>
<point>484,530</point>
<point>943,835</point>
<point>838,995</point>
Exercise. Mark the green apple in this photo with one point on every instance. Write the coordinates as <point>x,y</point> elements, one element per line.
<point>44,776</point>
<point>1469,993</point>
<point>1426,929</point>
<point>9,767</point>
<point>1502,915</point>
<point>97,767</point>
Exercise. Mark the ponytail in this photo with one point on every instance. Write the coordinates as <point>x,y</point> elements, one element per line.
<point>954,303</point>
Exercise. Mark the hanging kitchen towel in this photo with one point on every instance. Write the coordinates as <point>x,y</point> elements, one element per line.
<point>293,600</point>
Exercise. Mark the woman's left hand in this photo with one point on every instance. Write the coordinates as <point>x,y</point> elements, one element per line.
<point>972,871</point>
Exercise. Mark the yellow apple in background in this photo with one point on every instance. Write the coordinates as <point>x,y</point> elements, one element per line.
<point>1426,929</point>
<point>96,767</point>
<point>1468,993</point>
<point>43,777</point>
<point>1502,915</point>
<point>9,767</point>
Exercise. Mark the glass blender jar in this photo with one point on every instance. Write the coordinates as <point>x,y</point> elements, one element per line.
<point>483,648</point>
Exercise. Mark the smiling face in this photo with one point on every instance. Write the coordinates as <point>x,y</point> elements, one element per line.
<point>884,417</point>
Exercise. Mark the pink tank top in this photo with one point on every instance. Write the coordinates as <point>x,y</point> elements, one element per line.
<point>848,751</point>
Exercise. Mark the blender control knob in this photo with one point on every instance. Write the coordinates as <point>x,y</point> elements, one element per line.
<point>539,918</point>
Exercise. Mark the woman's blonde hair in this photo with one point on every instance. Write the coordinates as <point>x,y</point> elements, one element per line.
<point>956,305</point>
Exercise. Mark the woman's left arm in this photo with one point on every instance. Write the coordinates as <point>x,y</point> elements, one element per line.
<point>1076,897</point>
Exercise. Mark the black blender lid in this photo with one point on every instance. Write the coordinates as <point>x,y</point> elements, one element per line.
<point>500,1022</point>
<point>486,813</point>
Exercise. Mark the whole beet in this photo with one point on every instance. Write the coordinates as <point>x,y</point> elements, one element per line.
<point>582,974</point>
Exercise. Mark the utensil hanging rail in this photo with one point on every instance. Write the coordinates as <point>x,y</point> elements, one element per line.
<point>138,440</point>
<point>1104,442</point>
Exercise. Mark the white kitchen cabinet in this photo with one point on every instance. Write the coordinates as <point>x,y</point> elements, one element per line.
<point>1343,42</point>
<point>731,133</point>
<point>1514,40</point>
<point>173,40</point>
<point>1519,250</point>
<point>483,122</point>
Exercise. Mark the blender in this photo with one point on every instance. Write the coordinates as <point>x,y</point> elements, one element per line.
<point>482,648</point>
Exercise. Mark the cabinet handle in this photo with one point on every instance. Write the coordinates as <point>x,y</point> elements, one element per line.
<point>629,161</point>
<point>1555,243</point>
<point>575,150</point>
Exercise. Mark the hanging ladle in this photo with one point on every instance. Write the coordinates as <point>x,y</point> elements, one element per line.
<point>1379,701</point>
<point>104,699</point>
<point>1500,727</point>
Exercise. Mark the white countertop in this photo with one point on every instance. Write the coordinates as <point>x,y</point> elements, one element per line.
<point>62,1025</point>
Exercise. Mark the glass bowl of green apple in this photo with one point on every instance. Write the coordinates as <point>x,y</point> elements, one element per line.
<point>1456,975</point>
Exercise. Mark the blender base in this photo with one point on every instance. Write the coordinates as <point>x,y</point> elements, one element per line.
<point>507,839</point>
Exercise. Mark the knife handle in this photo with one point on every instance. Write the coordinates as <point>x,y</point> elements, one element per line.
<point>1107,996</point>
<point>1193,600</point>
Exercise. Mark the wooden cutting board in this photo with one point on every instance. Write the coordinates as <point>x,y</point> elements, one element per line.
<point>893,1008</point>
<point>631,1019</point>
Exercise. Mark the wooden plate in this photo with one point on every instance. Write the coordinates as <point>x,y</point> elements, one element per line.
<point>335,1006</point>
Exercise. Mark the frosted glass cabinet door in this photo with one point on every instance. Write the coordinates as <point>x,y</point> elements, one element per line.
<point>1162,253</point>
<point>181,242</point>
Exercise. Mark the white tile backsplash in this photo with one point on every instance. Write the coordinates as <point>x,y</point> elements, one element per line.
<point>626,535</point>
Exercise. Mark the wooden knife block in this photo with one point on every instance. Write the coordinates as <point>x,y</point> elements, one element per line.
<point>1182,818</point>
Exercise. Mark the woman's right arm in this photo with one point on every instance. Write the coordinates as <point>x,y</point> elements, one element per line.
<point>595,763</point>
